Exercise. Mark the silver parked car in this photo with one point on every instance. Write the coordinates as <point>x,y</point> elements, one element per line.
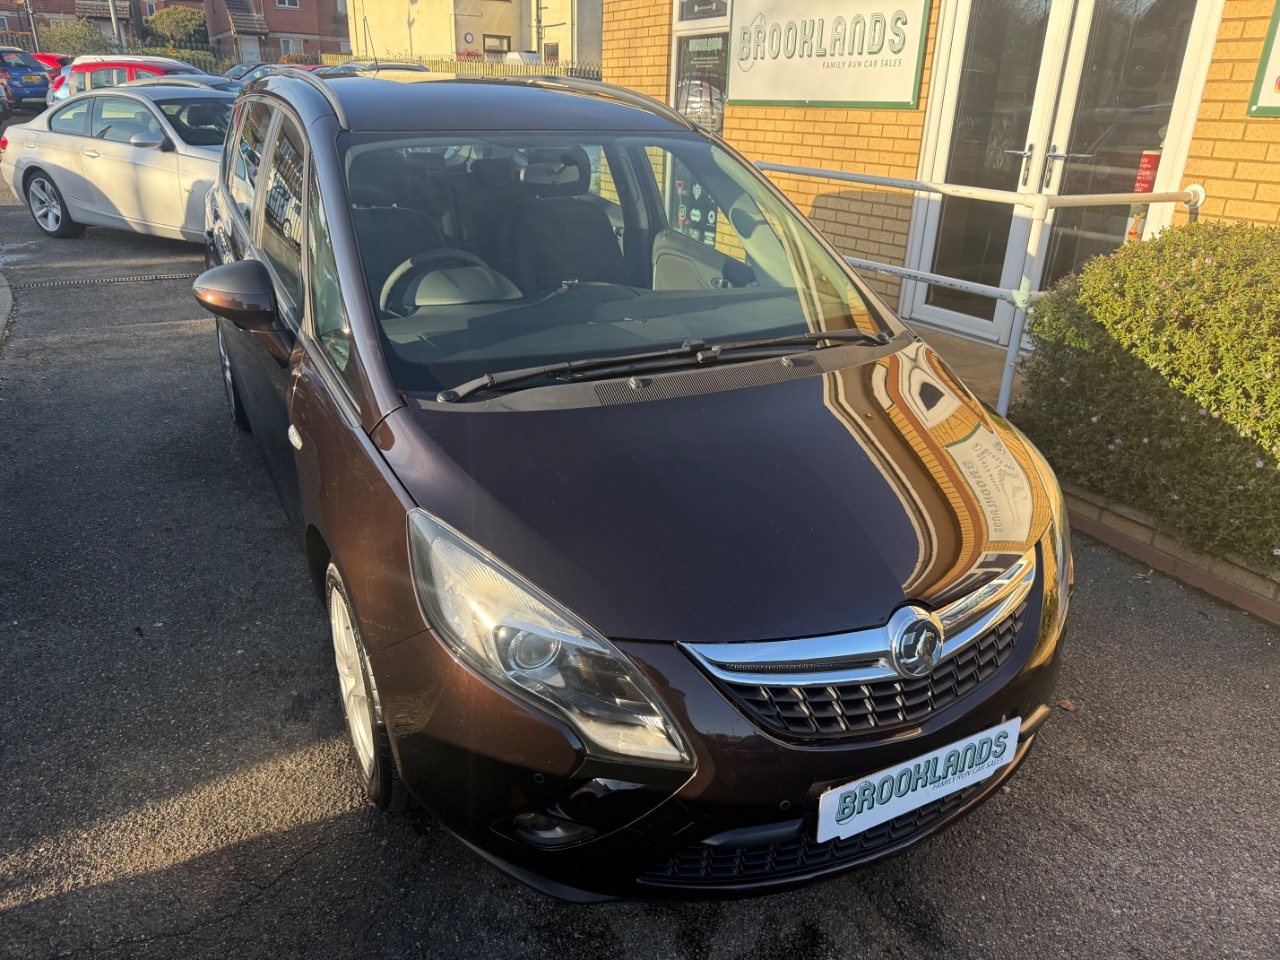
<point>137,159</point>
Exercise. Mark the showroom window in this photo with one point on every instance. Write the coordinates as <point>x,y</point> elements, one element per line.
<point>700,61</point>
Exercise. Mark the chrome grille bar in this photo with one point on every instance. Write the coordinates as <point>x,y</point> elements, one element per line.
<point>862,656</point>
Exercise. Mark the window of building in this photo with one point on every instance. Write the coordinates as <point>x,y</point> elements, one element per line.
<point>687,10</point>
<point>291,4</point>
<point>700,61</point>
<point>282,214</point>
<point>496,44</point>
<point>71,119</point>
<point>328,315</point>
<point>151,9</point>
<point>242,171</point>
<point>344,46</point>
<point>4,24</point>
<point>289,45</point>
<point>551,52</point>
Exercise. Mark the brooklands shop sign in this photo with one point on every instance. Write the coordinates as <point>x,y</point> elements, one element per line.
<point>865,53</point>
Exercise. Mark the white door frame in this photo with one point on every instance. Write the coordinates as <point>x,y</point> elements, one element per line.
<point>1062,60</point>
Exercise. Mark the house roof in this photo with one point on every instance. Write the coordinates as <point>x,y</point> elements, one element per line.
<point>99,10</point>
<point>244,18</point>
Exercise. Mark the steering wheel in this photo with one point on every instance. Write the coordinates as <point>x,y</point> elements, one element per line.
<point>419,265</point>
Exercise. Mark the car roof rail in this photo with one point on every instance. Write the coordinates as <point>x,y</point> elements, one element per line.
<point>326,91</point>
<point>620,94</point>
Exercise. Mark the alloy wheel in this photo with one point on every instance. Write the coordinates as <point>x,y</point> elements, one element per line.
<point>351,679</point>
<point>44,204</point>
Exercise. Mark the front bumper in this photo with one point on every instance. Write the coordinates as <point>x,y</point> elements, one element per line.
<point>743,821</point>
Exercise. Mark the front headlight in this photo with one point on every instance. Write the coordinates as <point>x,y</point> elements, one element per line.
<point>514,634</point>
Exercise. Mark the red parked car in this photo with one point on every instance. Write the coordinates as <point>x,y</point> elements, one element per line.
<point>90,73</point>
<point>54,61</point>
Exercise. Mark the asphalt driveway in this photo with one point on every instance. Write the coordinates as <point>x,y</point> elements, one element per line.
<point>174,780</point>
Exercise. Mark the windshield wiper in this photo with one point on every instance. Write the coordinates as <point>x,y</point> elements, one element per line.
<point>691,351</point>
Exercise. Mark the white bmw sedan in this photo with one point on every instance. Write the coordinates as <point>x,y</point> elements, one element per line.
<point>140,159</point>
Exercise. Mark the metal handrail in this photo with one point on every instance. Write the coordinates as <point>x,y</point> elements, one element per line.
<point>1022,296</point>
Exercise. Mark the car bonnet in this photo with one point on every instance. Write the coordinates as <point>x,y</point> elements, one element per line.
<point>788,509</point>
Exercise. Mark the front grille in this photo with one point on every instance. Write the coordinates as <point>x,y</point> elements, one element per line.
<point>813,712</point>
<point>801,854</point>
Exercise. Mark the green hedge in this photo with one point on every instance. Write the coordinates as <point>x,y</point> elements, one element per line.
<point>1155,382</point>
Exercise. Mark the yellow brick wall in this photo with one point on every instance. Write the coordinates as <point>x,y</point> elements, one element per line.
<point>637,45</point>
<point>869,223</point>
<point>1235,158</point>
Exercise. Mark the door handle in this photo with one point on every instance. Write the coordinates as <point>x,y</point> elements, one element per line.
<point>1026,160</point>
<point>1053,155</point>
<point>92,154</point>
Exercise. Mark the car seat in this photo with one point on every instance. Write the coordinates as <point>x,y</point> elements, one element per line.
<point>555,233</point>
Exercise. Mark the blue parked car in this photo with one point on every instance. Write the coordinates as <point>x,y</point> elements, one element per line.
<point>27,76</point>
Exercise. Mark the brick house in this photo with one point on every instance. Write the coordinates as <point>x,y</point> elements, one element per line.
<point>14,19</point>
<point>266,29</point>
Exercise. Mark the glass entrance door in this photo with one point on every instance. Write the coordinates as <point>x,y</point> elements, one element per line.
<point>1047,95</point>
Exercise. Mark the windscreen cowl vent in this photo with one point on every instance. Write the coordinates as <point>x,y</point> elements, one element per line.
<point>694,383</point>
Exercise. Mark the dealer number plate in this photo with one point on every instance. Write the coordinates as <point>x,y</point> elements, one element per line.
<point>32,78</point>
<point>848,810</point>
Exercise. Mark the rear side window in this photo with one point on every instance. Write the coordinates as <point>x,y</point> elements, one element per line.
<point>20,60</point>
<point>108,77</point>
<point>282,213</point>
<point>201,123</point>
<point>71,119</point>
<point>117,119</point>
<point>242,170</point>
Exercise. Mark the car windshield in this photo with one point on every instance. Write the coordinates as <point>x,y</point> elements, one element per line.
<point>487,253</point>
<point>199,122</point>
<point>20,60</point>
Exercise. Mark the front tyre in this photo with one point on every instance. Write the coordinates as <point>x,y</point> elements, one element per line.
<point>370,745</point>
<point>48,209</point>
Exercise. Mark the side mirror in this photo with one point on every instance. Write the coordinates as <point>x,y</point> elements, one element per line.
<point>241,292</point>
<point>148,140</point>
